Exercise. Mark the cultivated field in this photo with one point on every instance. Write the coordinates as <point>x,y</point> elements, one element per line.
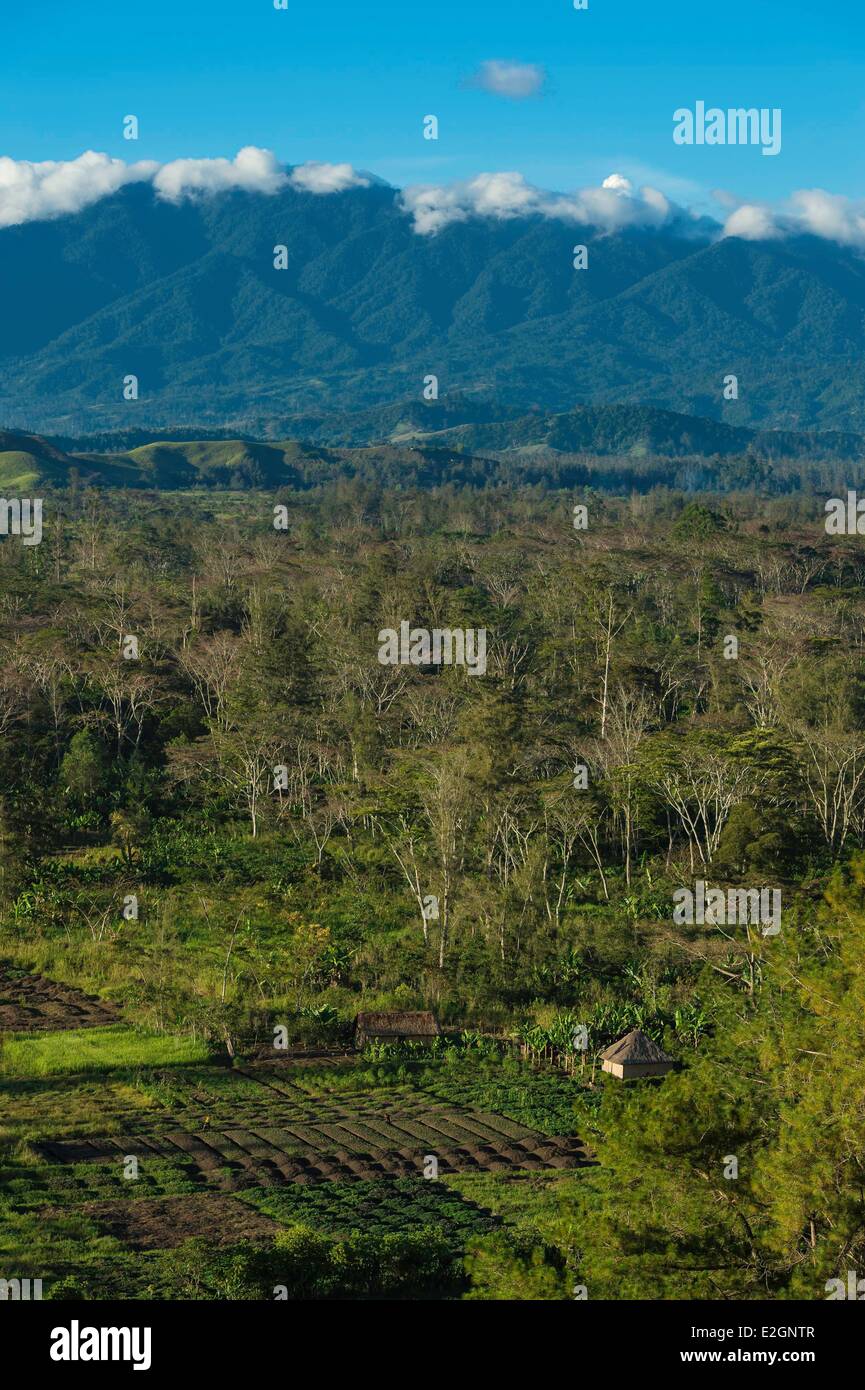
<point>137,1157</point>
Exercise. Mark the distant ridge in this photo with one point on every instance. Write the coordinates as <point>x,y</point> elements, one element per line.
<point>411,445</point>
<point>618,429</point>
<point>464,424</point>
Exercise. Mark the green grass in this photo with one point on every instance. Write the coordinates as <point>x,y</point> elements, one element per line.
<point>18,470</point>
<point>95,1049</point>
<point>38,1108</point>
<point>34,1245</point>
<point>534,1203</point>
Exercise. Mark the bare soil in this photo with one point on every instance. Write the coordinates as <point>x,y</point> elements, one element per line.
<point>30,1003</point>
<point>164,1222</point>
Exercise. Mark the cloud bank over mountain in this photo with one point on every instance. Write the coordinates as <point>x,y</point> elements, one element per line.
<point>810,211</point>
<point>54,188</point>
<point>31,192</point>
<point>252,170</point>
<point>612,207</point>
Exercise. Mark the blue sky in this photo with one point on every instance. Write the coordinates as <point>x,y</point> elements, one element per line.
<point>348,80</point>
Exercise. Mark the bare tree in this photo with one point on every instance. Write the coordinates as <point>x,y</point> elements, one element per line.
<point>833,771</point>
<point>569,820</point>
<point>630,714</point>
<point>129,693</point>
<point>241,761</point>
<point>608,625</point>
<point>702,786</point>
<point>761,677</point>
<point>214,666</point>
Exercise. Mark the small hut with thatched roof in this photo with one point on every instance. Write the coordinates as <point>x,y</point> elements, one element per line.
<point>635,1055</point>
<point>395,1027</point>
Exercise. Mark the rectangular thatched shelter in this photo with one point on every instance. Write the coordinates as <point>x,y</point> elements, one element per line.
<point>395,1026</point>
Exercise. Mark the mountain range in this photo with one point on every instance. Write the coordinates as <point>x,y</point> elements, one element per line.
<point>185,297</point>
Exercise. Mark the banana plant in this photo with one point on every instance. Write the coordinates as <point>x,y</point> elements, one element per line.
<point>691,1022</point>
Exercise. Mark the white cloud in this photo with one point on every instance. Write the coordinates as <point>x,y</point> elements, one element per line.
<point>514,80</point>
<point>313,177</point>
<point>830,215</point>
<point>619,183</point>
<point>810,211</point>
<point>29,192</point>
<point>752,222</point>
<point>252,171</point>
<point>611,207</point>
<point>33,192</point>
<point>616,204</point>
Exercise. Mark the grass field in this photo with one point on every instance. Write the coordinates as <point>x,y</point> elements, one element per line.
<point>102,1050</point>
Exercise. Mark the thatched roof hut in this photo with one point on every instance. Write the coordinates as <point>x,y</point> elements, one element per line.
<point>395,1026</point>
<point>635,1055</point>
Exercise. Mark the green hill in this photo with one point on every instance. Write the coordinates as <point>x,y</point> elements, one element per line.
<point>18,470</point>
<point>28,459</point>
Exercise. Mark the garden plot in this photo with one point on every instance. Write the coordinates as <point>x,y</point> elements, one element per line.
<point>240,1129</point>
<point>30,1003</point>
<point>162,1223</point>
<point>396,1204</point>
